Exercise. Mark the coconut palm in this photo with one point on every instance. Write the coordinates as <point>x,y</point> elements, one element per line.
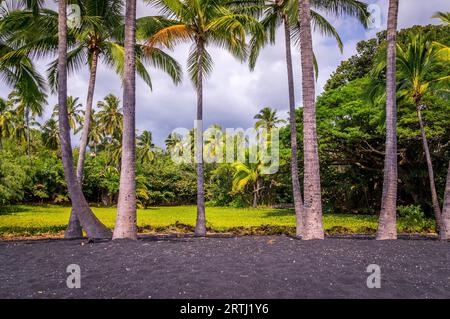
<point>74,111</point>
<point>110,115</point>
<point>126,208</point>
<point>6,120</point>
<point>444,233</point>
<point>387,225</point>
<point>443,16</point>
<point>248,174</point>
<point>267,119</point>
<point>146,149</point>
<point>50,134</point>
<point>93,227</point>
<point>27,108</point>
<point>285,12</point>
<point>414,66</point>
<point>202,23</point>
<point>414,81</point>
<point>312,221</point>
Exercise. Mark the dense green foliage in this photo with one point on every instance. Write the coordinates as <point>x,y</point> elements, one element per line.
<point>351,140</point>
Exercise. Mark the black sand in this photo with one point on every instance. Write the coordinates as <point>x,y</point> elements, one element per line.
<point>242,267</point>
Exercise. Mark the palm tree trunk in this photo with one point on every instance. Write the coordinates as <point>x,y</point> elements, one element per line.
<point>444,233</point>
<point>255,194</point>
<point>298,202</point>
<point>87,117</point>
<point>200,226</point>
<point>434,196</point>
<point>27,123</point>
<point>93,227</point>
<point>74,228</point>
<point>387,225</point>
<point>126,208</point>
<point>312,221</point>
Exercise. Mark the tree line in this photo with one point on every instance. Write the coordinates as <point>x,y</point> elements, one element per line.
<point>128,44</point>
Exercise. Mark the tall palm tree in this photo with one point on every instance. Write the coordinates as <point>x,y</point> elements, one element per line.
<point>93,227</point>
<point>415,80</point>
<point>312,221</point>
<point>387,225</point>
<point>285,12</point>
<point>74,111</point>
<point>444,233</point>
<point>6,120</point>
<point>50,134</point>
<point>110,115</point>
<point>126,208</point>
<point>267,119</point>
<point>202,23</point>
<point>146,148</point>
<point>248,174</point>
<point>414,66</point>
<point>28,108</point>
<point>98,39</point>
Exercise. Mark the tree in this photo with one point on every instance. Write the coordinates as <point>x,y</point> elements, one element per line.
<point>74,111</point>
<point>93,227</point>
<point>285,12</point>
<point>126,209</point>
<point>267,119</point>
<point>312,221</point>
<point>245,174</point>
<point>444,233</point>
<point>27,108</point>
<point>50,134</point>
<point>6,120</point>
<point>110,115</point>
<point>443,16</point>
<point>202,22</point>
<point>387,225</point>
<point>146,149</point>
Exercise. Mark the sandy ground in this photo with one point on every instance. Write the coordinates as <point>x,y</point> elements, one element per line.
<point>238,267</point>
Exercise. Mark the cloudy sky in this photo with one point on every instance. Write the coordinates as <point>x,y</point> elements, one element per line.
<point>233,94</point>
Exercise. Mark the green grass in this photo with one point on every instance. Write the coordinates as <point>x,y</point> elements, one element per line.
<point>32,220</point>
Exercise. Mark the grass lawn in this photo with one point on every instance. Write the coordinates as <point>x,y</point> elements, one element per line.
<point>27,220</point>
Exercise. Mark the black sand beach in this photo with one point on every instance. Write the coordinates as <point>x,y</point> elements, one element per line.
<point>238,267</point>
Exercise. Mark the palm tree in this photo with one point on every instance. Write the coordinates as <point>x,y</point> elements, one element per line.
<point>126,208</point>
<point>414,65</point>
<point>27,108</point>
<point>444,233</point>
<point>312,221</point>
<point>267,119</point>
<point>93,227</point>
<point>6,120</point>
<point>414,80</point>
<point>50,134</point>
<point>110,115</point>
<point>74,111</point>
<point>201,22</point>
<point>387,225</point>
<point>146,149</point>
<point>245,174</point>
<point>285,12</point>
<point>443,16</point>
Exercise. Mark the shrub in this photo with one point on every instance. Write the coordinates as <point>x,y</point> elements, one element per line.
<point>412,218</point>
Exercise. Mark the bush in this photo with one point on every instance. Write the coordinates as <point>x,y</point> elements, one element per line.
<point>412,218</point>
